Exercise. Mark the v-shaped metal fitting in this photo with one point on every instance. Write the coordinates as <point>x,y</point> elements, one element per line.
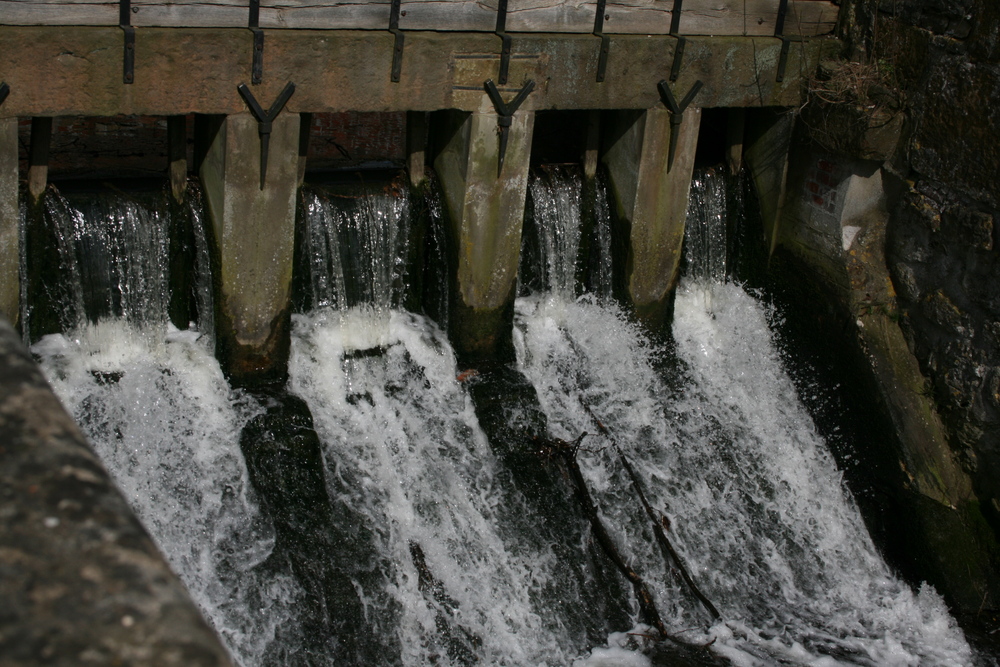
<point>676,113</point>
<point>264,119</point>
<point>506,112</point>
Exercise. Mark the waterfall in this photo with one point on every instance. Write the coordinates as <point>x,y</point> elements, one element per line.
<point>112,257</point>
<point>566,242</point>
<point>727,453</point>
<point>705,236</point>
<point>452,559</point>
<point>354,248</point>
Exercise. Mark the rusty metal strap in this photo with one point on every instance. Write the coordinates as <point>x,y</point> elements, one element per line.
<point>253,22</point>
<point>675,30</point>
<point>505,42</point>
<point>125,23</point>
<point>602,58</point>
<point>397,51</point>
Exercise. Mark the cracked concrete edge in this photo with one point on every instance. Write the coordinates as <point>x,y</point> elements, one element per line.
<point>80,579</point>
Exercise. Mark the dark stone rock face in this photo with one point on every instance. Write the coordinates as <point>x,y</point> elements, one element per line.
<point>942,249</point>
<point>80,580</point>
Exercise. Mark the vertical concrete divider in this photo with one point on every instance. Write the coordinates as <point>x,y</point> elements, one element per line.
<point>416,146</point>
<point>651,204</point>
<point>38,156</point>
<point>10,228</point>
<point>485,212</point>
<point>177,156</point>
<point>767,142</point>
<point>252,231</point>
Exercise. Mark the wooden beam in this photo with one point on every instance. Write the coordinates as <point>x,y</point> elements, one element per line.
<point>195,70</point>
<point>639,17</point>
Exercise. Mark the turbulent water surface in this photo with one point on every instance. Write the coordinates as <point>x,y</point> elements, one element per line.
<point>443,556</point>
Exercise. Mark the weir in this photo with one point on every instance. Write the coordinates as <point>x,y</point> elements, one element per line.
<point>458,333</point>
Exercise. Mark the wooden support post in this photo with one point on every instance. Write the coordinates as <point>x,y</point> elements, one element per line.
<point>10,236</point>
<point>416,146</point>
<point>177,156</point>
<point>735,117</point>
<point>305,132</point>
<point>590,151</point>
<point>38,157</point>
<point>767,144</point>
<point>252,230</point>
<point>651,205</point>
<point>485,211</point>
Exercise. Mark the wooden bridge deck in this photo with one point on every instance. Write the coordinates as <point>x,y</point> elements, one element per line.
<point>626,17</point>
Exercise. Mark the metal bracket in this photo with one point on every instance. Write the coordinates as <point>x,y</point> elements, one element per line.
<point>602,59</point>
<point>505,41</point>
<point>257,70</point>
<point>4,91</point>
<point>676,113</point>
<point>506,112</point>
<point>786,40</point>
<point>397,51</point>
<point>675,29</point>
<point>264,119</point>
<point>125,23</point>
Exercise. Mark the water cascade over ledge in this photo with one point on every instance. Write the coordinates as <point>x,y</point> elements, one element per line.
<point>435,549</point>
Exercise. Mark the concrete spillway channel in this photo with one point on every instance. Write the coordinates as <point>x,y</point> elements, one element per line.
<point>437,64</point>
<point>187,60</point>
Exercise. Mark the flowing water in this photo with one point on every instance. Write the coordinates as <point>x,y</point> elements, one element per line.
<point>453,562</point>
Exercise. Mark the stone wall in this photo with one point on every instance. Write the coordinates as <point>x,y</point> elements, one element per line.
<point>893,189</point>
<point>942,249</point>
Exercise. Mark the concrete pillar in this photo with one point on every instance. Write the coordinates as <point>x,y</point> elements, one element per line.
<point>767,140</point>
<point>252,232</point>
<point>38,156</point>
<point>651,204</point>
<point>485,211</point>
<point>416,146</point>
<point>10,236</point>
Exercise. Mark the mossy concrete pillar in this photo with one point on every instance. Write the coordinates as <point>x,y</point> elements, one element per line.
<point>252,230</point>
<point>767,139</point>
<point>831,241</point>
<point>651,202</point>
<point>485,210</point>
<point>10,236</point>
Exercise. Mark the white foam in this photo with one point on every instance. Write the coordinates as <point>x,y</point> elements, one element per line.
<point>157,410</point>
<point>729,454</point>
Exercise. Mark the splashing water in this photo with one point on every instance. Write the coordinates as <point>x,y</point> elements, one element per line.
<point>728,454</point>
<point>355,248</point>
<point>163,420</point>
<point>450,561</point>
<point>566,249</point>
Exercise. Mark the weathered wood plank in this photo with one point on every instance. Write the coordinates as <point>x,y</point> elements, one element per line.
<point>641,17</point>
<point>637,17</point>
<point>58,12</point>
<point>307,14</point>
<point>196,70</point>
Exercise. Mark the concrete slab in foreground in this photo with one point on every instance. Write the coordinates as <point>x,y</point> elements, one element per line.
<point>81,582</point>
